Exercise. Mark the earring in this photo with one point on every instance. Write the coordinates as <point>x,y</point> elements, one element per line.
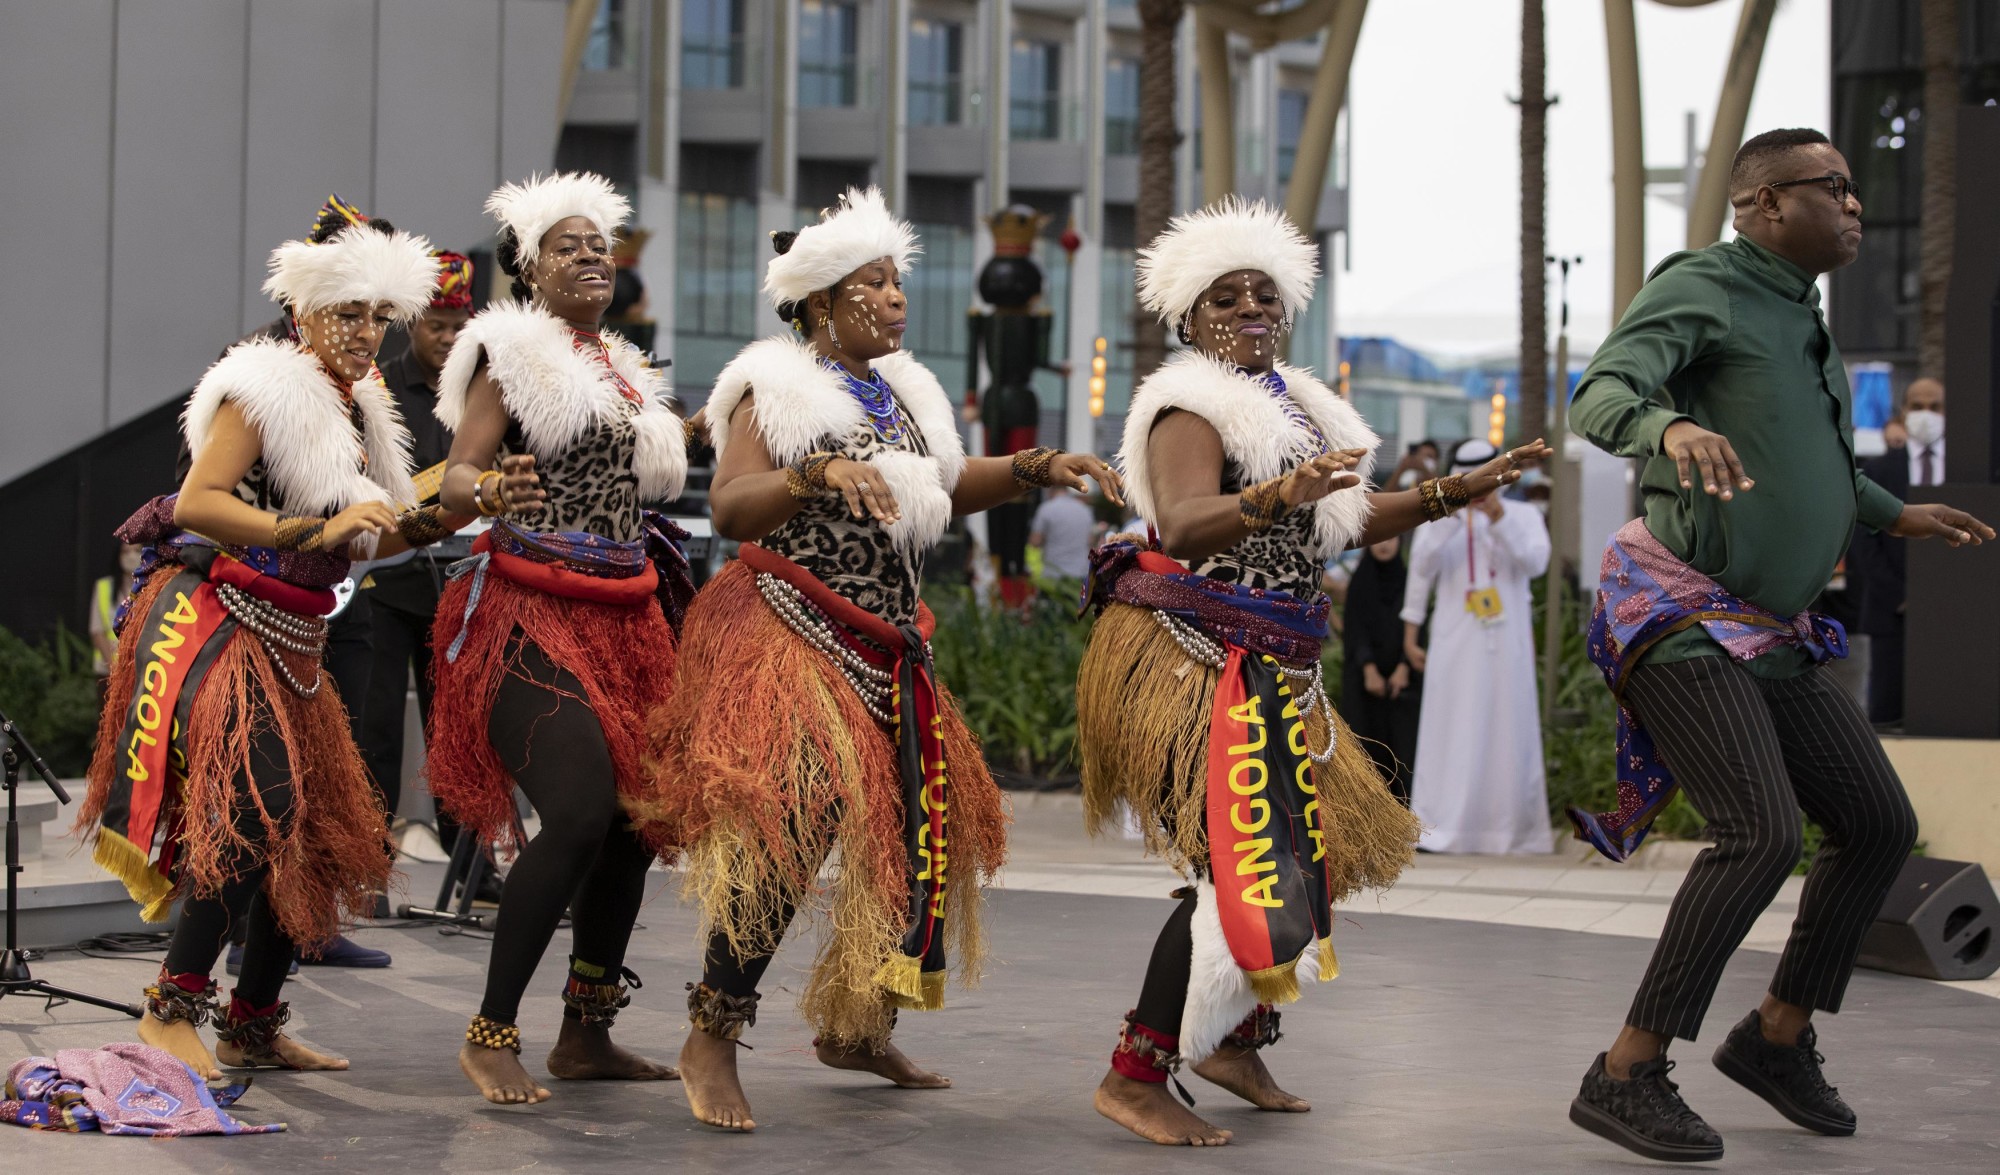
<point>831,337</point>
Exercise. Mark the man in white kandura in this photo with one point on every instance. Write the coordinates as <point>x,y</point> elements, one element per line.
<point>1478,785</point>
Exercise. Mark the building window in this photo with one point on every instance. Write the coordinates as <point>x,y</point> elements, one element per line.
<point>716,301</point>
<point>936,72</point>
<point>611,37</point>
<point>712,44</point>
<point>1035,105</point>
<point>1291,123</point>
<point>828,33</point>
<point>1121,106</point>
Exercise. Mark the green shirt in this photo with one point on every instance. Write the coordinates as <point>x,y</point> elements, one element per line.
<point>1732,338</point>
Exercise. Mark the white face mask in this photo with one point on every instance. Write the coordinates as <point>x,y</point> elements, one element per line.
<point>1926,427</point>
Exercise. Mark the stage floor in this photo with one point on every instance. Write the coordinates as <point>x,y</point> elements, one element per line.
<point>1445,1046</point>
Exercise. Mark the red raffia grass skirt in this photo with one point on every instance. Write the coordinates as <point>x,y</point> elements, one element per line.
<point>1142,708</point>
<point>766,763</point>
<point>327,860</point>
<point>623,657</point>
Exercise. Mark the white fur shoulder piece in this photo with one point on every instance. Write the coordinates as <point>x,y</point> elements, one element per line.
<point>557,395</point>
<point>800,404</point>
<point>309,448</point>
<point>1257,433</point>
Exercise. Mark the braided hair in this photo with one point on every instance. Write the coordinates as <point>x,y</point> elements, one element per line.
<point>507,254</point>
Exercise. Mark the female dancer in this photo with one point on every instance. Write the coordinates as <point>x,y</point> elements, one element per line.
<point>553,648</point>
<point>1200,704</point>
<point>219,729</point>
<point>806,715</point>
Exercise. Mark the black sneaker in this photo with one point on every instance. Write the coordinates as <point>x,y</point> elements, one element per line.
<point>1644,1114</point>
<point>1787,1076</point>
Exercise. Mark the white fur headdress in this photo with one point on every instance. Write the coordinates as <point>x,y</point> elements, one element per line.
<point>845,239</point>
<point>533,208</point>
<point>357,264</point>
<point>1231,234</point>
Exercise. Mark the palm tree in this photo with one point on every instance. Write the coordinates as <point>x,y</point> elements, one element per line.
<point>1940,20</point>
<point>1534,103</point>
<point>1159,138</point>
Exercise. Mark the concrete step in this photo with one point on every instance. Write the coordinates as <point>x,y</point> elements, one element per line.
<point>65,898</point>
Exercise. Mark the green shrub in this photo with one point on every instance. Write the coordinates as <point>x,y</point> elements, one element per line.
<point>48,689</point>
<point>1014,674</point>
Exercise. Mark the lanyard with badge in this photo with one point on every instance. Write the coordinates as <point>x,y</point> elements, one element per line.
<point>1482,602</point>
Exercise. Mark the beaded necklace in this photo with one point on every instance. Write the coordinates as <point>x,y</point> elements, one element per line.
<point>885,416</point>
<point>592,347</point>
<point>1274,383</point>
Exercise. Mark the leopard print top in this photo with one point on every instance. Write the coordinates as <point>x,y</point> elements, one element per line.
<point>1281,557</point>
<point>855,558</point>
<point>591,484</point>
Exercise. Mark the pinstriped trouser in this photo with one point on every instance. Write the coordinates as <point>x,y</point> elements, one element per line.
<point>1751,753</point>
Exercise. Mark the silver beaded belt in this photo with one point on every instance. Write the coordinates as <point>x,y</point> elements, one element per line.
<point>873,684</point>
<point>278,629</point>
<point>1205,650</point>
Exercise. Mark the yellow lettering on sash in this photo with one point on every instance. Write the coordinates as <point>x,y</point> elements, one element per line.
<point>1260,893</point>
<point>148,711</point>
<point>1258,861</point>
<point>1251,767</point>
<point>153,679</point>
<point>1262,808</point>
<point>134,769</point>
<point>171,638</point>
<point>1313,830</point>
<point>1248,713</point>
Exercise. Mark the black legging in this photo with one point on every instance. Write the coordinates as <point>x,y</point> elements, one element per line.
<point>586,857</point>
<point>1163,993</point>
<point>206,920</point>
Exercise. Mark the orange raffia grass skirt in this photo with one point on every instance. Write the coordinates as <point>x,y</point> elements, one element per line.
<point>623,656</point>
<point>767,762</point>
<point>1143,709</point>
<point>327,859</point>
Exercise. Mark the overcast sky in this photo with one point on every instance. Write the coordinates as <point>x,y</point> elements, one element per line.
<point>1435,202</point>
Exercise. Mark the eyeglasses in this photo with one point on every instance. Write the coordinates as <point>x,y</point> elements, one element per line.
<point>1838,184</point>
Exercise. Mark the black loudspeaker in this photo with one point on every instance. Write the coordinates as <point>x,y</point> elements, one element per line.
<point>1938,922</point>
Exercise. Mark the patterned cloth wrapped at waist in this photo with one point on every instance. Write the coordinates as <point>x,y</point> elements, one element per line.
<point>1257,620</point>
<point>264,572</point>
<point>579,565</point>
<point>1644,594</point>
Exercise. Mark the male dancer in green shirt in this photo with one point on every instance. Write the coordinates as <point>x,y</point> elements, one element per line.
<point>1722,374</point>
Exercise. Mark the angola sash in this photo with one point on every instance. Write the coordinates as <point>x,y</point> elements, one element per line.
<point>184,632</point>
<point>915,975</point>
<point>1644,594</point>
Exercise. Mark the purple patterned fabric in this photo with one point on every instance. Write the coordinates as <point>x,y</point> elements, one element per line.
<point>661,541</point>
<point>152,526</point>
<point>1257,620</point>
<point>120,1089</point>
<point>1645,593</point>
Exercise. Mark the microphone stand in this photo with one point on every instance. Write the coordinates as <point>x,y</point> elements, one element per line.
<point>15,978</point>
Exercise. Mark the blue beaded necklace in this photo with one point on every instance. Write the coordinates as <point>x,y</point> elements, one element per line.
<point>885,416</point>
<point>1274,383</point>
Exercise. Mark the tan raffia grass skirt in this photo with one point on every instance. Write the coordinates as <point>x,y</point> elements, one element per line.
<point>766,767</point>
<point>1142,720</point>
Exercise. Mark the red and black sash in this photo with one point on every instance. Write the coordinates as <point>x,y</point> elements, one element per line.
<point>184,632</point>
<point>915,975</point>
<point>1265,843</point>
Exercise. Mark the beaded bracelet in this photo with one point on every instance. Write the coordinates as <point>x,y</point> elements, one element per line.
<point>479,495</point>
<point>1442,496</point>
<point>1032,467</point>
<point>805,479</point>
<point>299,532</point>
<point>692,434</point>
<point>492,1034</point>
<point>1261,505</point>
<point>422,526</point>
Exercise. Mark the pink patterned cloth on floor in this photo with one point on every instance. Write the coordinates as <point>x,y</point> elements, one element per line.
<point>120,1089</point>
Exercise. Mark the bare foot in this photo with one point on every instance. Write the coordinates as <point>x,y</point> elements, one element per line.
<point>584,1052</point>
<point>499,1076</point>
<point>1148,1110</point>
<point>889,1063</point>
<point>182,1040</point>
<point>285,1053</point>
<point>708,1073</point>
<point>1241,1071</point>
